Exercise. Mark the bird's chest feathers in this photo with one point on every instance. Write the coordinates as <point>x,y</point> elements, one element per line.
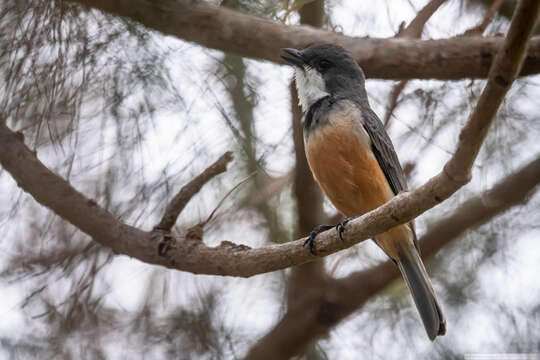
<point>340,157</point>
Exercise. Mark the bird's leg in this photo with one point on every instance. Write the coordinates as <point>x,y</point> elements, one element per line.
<point>311,239</point>
<point>340,227</point>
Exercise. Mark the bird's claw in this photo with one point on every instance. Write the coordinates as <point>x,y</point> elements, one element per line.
<point>311,238</point>
<point>340,227</point>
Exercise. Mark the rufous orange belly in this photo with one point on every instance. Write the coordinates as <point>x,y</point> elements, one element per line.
<point>348,172</point>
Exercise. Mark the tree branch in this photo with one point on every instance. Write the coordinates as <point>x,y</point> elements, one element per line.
<point>268,189</point>
<point>250,36</point>
<point>413,30</point>
<point>185,194</point>
<point>317,313</point>
<point>309,198</point>
<point>393,103</point>
<point>505,69</point>
<point>416,27</point>
<point>186,254</point>
<point>511,191</point>
<point>480,28</point>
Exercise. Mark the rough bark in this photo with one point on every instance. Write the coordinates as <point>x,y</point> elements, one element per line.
<point>250,36</point>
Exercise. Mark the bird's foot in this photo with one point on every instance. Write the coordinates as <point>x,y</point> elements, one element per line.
<point>340,227</point>
<point>311,239</point>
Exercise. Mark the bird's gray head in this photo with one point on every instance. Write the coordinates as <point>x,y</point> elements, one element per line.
<point>325,69</point>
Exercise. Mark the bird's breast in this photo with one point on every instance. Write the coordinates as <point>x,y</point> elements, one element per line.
<point>342,162</point>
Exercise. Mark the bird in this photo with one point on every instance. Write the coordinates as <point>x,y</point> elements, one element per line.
<point>354,162</point>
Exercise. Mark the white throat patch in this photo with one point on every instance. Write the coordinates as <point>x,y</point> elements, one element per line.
<point>310,86</point>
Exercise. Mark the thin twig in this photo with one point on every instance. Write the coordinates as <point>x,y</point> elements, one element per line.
<point>270,187</point>
<point>226,196</point>
<point>413,30</point>
<point>393,102</point>
<point>490,13</point>
<point>416,26</point>
<point>185,194</point>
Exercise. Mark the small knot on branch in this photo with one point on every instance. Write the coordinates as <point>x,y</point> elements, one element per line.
<point>166,242</point>
<point>233,246</point>
<point>195,232</point>
<point>459,178</point>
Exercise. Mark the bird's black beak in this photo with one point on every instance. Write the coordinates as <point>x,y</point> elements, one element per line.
<point>294,57</point>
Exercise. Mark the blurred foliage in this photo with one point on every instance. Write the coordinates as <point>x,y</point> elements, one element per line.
<point>506,10</point>
<point>101,99</point>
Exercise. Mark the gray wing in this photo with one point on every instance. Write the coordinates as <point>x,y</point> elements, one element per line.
<point>386,156</point>
<point>383,150</point>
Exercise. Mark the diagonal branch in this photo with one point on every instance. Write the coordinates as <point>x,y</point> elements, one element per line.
<point>246,35</point>
<point>185,194</point>
<point>480,28</point>
<point>393,102</point>
<point>416,27</point>
<point>316,314</point>
<point>505,69</point>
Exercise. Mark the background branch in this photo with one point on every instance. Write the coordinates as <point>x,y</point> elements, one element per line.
<point>490,13</point>
<point>416,27</point>
<point>397,89</point>
<point>413,30</point>
<point>258,38</point>
<point>185,194</point>
<point>505,69</point>
<point>309,198</point>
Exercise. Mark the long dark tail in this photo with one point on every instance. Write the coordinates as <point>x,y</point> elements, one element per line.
<point>415,275</point>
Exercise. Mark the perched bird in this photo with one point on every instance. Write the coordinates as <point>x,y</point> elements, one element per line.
<point>353,160</point>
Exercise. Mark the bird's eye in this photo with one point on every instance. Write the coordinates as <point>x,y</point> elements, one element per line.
<point>324,65</point>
